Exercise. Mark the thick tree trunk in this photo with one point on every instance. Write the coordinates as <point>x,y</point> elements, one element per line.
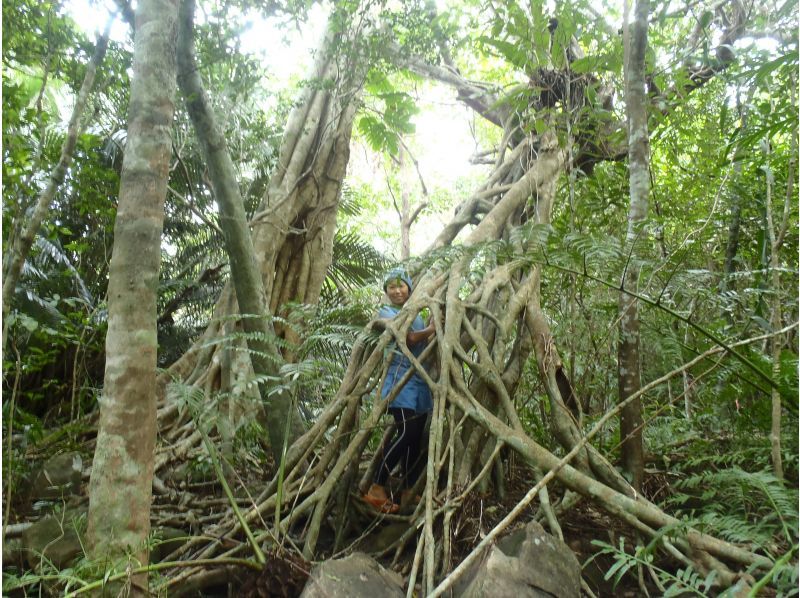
<point>122,472</point>
<point>292,237</point>
<point>245,275</point>
<point>30,228</point>
<point>629,358</point>
<point>293,231</point>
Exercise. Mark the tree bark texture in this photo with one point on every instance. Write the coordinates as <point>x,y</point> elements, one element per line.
<point>121,482</point>
<point>629,356</point>
<point>245,274</point>
<point>292,231</point>
<point>30,228</point>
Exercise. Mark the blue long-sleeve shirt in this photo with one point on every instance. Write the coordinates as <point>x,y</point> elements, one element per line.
<point>415,394</point>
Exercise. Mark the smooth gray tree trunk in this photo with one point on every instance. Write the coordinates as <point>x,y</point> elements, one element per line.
<point>628,351</point>
<point>120,488</point>
<point>245,273</point>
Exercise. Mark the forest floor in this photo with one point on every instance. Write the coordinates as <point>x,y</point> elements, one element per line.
<point>189,501</point>
<point>581,525</point>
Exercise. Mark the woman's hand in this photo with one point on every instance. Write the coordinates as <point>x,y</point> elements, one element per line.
<point>417,336</point>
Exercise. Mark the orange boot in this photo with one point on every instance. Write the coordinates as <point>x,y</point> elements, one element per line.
<point>378,498</point>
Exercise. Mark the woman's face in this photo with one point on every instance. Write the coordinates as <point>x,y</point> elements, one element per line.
<point>397,291</point>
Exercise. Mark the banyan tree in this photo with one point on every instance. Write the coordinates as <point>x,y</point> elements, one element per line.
<point>481,281</point>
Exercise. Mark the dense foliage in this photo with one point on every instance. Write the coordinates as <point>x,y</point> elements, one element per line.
<point>723,213</point>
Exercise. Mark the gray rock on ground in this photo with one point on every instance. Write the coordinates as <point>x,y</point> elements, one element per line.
<point>355,576</point>
<point>54,538</point>
<point>527,563</point>
<point>60,476</point>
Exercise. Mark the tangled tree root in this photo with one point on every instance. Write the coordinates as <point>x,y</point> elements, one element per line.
<point>486,329</point>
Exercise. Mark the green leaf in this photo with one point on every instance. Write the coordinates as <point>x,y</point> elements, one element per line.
<point>586,64</point>
<point>376,133</point>
<point>27,322</point>
<point>510,51</point>
<point>762,323</point>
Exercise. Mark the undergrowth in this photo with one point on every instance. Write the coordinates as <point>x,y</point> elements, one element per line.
<point>721,485</point>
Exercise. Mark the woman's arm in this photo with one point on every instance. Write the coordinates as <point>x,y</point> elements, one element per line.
<point>417,336</point>
<point>413,337</point>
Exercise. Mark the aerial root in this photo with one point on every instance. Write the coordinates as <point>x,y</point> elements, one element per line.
<point>474,419</point>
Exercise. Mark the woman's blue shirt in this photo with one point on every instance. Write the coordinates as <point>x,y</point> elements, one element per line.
<point>415,394</point>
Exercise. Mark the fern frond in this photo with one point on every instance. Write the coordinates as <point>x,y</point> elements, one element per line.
<point>355,264</point>
<point>743,506</point>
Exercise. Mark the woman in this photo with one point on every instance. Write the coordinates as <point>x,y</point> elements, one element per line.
<point>410,406</point>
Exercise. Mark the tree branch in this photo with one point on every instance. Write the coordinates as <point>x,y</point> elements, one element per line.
<point>245,275</point>
<point>416,166</point>
<point>475,95</point>
<point>416,212</point>
<point>21,249</point>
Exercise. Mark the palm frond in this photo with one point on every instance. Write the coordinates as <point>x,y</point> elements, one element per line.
<point>355,263</point>
<point>53,251</point>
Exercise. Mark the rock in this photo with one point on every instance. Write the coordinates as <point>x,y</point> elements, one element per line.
<point>60,476</point>
<point>55,538</point>
<point>527,563</point>
<point>352,577</point>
